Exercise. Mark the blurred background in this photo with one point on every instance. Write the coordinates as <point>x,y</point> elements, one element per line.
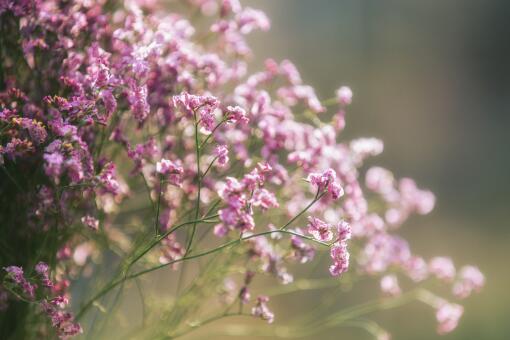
<point>432,79</point>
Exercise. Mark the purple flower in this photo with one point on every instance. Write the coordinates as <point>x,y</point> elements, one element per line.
<point>221,152</point>
<point>137,97</point>
<point>204,106</point>
<point>53,165</point>
<point>44,271</point>
<point>319,229</point>
<point>302,251</point>
<point>236,114</point>
<point>264,198</point>
<point>340,256</point>
<point>326,181</point>
<point>90,222</point>
<point>261,310</point>
<point>172,170</point>
<point>17,276</point>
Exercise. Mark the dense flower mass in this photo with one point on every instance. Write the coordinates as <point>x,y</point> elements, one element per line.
<point>133,137</point>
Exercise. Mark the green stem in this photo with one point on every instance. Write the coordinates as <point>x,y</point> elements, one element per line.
<point>205,322</point>
<point>156,220</point>
<point>126,277</point>
<point>317,197</point>
<point>209,167</point>
<point>212,132</point>
<point>226,245</point>
<point>199,185</point>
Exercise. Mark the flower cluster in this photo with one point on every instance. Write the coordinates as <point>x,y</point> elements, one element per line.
<point>129,133</point>
<point>46,297</point>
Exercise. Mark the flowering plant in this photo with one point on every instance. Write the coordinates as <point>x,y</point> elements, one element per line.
<point>133,140</point>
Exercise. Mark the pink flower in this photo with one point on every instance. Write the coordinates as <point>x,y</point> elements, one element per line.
<point>236,114</point>
<point>389,285</point>
<point>244,295</point>
<point>470,279</point>
<point>302,251</point>
<point>416,268</point>
<point>137,98</point>
<point>221,152</point>
<point>364,147</point>
<point>108,179</point>
<point>344,231</point>
<point>17,276</point>
<point>326,181</point>
<point>442,268</point>
<point>250,19</point>
<point>265,199</point>
<point>448,315</point>
<point>421,201</point>
<point>90,222</point>
<point>62,321</point>
<point>171,250</point>
<point>204,106</point>
<point>319,229</point>
<point>340,256</point>
<point>172,170</point>
<point>44,271</point>
<point>53,163</point>
<point>344,95</point>
<point>380,180</point>
<point>261,310</point>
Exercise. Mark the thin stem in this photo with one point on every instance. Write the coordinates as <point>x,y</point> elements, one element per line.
<point>209,167</point>
<point>199,185</point>
<point>126,277</point>
<point>114,283</point>
<point>148,189</point>
<point>223,246</point>
<point>212,132</point>
<point>199,324</point>
<point>12,178</point>
<point>156,220</point>
<point>170,231</point>
<point>142,300</point>
<point>317,197</point>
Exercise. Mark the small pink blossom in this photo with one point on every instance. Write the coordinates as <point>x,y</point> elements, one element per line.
<point>389,285</point>
<point>221,152</point>
<point>236,114</point>
<point>470,279</point>
<point>302,251</point>
<point>90,222</point>
<point>448,315</point>
<point>261,310</point>
<point>416,268</point>
<point>44,271</point>
<point>17,276</point>
<point>171,169</point>
<point>344,95</point>
<point>340,256</point>
<point>203,106</point>
<point>364,147</point>
<point>265,199</point>
<point>319,229</point>
<point>442,268</point>
<point>344,231</point>
<point>326,181</point>
<point>250,19</point>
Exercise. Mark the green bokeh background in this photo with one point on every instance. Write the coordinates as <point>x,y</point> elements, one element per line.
<point>432,79</point>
